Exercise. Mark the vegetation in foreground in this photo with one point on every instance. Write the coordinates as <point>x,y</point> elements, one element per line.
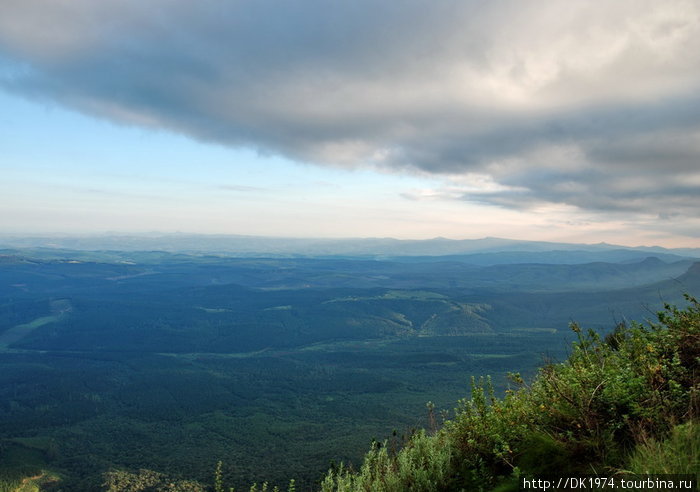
<point>627,403</point>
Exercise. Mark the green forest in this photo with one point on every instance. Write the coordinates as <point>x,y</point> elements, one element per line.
<point>155,371</point>
<point>622,405</point>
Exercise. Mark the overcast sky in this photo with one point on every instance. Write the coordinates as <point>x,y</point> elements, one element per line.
<point>549,120</point>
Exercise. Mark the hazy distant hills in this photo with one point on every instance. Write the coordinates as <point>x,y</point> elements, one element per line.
<point>146,301</point>
<point>52,271</point>
<point>177,302</point>
<point>562,257</point>
<point>479,249</point>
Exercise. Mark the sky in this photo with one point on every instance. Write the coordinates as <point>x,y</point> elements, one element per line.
<point>571,121</point>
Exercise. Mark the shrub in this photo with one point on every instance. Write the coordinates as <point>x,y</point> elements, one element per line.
<point>423,465</point>
<point>631,397</point>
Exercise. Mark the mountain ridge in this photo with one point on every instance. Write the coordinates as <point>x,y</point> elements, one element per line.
<point>310,247</point>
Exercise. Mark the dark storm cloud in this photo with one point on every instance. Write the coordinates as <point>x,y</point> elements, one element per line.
<point>575,103</point>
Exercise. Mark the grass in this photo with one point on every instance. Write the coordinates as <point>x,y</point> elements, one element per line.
<point>38,482</point>
<point>18,332</point>
<point>23,465</point>
<point>678,454</point>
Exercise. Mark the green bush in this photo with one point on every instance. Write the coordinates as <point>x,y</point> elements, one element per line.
<point>629,398</point>
<point>423,465</point>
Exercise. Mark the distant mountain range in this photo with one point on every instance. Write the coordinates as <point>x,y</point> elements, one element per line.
<point>484,251</point>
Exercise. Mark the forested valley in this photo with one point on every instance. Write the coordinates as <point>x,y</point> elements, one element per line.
<point>278,367</point>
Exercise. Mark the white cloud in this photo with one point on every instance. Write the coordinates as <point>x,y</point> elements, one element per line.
<point>576,103</point>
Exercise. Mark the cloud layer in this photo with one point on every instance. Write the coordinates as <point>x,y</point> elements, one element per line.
<point>590,105</point>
